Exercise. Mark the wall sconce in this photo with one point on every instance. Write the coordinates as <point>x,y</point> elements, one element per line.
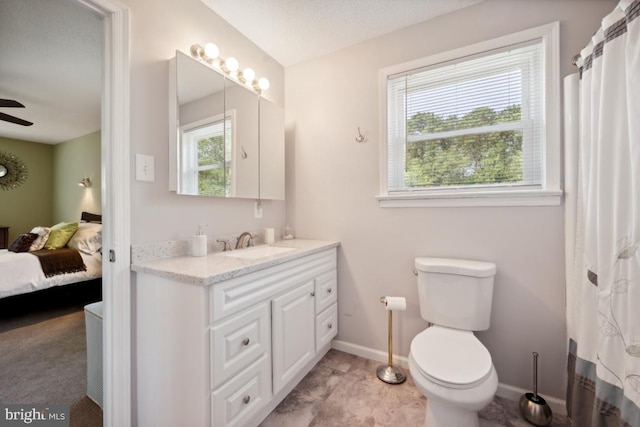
<point>85,182</point>
<point>210,54</point>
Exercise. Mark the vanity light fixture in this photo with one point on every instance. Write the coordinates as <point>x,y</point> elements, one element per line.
<point>230,65</point>
<point>263,83</point>
<point>210,54</point>
<point>211,50</point>
<point>85,182</point>
<point>247,76</point>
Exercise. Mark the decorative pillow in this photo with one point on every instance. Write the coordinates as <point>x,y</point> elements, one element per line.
<point>60,235</point>
<point>23,242</point>
<point>88,238</point>
<point>43,235</point>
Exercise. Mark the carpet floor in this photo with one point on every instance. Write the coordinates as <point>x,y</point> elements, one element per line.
<point>43,360</point>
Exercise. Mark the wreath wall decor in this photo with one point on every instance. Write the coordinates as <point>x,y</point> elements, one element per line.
<point>13,171</point>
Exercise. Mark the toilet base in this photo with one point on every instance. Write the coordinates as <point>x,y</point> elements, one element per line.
<point>439,415</point>
<point>448,407</point>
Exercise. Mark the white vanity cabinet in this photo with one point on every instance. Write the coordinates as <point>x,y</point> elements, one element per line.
<point>225,354</point>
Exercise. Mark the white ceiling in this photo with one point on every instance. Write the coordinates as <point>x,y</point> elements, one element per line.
<point>51,61</point>
<point>292,31</point>
<point>51,50</point>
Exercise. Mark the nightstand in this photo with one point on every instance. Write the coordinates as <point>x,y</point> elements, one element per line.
<point>4,237</point>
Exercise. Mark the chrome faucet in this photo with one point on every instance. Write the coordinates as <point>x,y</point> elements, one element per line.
<point>242,237</point>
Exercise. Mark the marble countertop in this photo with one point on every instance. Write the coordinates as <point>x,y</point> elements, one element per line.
<point>219,266</point>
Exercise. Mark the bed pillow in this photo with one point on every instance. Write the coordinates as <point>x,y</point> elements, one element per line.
<point>87,239</point>
<point>43,235</point>
<point>23,242</point>
<point>60,235</point>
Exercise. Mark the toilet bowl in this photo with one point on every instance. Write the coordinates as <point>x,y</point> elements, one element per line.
<point>449,365</point>
<point>453,370</point>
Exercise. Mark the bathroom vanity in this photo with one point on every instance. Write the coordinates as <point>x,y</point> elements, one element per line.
<point>222,339</point>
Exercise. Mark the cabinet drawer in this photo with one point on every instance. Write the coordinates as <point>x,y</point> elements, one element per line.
<point>237,401</point>
<point>238,341</point>
<point>326,287</point>
<point>326,326</point>
<point>234,295</point>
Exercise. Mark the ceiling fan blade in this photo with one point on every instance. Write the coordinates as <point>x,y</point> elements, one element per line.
<point>10,103</point>
<point>8,118</point>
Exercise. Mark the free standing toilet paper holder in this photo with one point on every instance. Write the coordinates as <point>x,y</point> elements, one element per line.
<point>388,373</point>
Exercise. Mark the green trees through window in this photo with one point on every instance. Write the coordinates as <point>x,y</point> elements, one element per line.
<point>213,167</point>
<point>450,156</point>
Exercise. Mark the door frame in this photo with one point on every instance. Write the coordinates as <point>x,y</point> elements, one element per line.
<point>116,238</point>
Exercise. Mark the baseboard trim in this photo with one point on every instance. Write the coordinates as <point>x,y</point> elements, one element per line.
<point>505,391</point>
<point>514,393</point>
<point>369,353</point>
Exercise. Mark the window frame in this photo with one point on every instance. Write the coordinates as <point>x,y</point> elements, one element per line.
<point>188,175</point>
<point>548,193</point>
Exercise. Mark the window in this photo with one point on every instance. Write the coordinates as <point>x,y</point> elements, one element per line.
<point>206,157</point>
<point>476,126</point>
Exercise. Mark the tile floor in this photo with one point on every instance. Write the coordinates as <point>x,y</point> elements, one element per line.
<point>343,390</point>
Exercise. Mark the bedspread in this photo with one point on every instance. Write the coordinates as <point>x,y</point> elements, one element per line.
<point>21,273</point>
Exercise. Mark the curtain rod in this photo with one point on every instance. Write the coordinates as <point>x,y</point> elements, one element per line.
<point>574,59</point>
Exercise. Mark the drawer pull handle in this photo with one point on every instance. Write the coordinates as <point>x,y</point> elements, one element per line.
<point>329,290</point>
<point>246,399</point>
<point>313,294</point>
<point>246,341</point>
<point>330,325</point>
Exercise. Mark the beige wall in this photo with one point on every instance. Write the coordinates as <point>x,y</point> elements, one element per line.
<point>31,203</point>
<point>156,32</point>
<point>332,181</point>
<point>73,160</point>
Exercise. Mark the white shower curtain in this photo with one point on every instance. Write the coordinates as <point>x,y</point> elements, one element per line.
<point>602,210</point>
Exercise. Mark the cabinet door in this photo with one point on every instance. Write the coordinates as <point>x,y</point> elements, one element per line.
<point>293,326</point>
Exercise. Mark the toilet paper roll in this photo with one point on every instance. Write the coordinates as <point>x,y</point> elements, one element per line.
<point>269,235</point>
<point>396,303</point>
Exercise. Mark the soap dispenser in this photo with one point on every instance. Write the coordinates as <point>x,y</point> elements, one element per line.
<point>199,243</point>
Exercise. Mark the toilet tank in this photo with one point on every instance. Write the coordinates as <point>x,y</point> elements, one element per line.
<point>455,293</point>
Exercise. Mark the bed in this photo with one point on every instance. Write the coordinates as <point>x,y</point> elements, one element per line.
<point>22,272</point>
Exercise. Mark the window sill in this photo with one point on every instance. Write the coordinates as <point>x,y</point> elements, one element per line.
<point>472,199</point>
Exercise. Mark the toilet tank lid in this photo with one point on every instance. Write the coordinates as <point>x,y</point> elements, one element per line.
<point>461,267</point>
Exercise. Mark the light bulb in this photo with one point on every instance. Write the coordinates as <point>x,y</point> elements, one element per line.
<point>211,50</point>
<point>248,75</point>
<point>232,64</point>
<point>263,83</point>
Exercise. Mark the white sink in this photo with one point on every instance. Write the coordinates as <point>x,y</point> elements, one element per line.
<point>258,252</point>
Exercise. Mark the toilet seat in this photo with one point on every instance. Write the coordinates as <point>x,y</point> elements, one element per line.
<point>452,358</point>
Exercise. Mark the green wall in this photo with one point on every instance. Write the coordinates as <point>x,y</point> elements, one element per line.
<point>51,193</point>
<point>31,203</point>
<point>73,160</point>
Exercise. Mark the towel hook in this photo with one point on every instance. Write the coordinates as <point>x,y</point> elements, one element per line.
<point>359,138</point>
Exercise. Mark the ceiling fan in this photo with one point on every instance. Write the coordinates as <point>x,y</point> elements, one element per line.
<point>10,103</point>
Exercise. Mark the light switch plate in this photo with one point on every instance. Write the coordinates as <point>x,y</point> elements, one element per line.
<point>257,211</point>
<point>145,168</point>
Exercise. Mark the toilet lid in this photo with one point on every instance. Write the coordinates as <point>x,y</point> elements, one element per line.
<point>451,356</point>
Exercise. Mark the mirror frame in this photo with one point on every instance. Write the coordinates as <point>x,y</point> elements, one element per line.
<point>15,171</point>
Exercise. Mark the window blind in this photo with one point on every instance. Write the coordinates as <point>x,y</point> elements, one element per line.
<point>475,121</point>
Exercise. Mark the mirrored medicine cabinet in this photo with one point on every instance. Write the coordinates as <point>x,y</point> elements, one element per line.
<point>225,139</point>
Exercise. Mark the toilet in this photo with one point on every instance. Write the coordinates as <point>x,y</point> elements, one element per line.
<point>449,365</point>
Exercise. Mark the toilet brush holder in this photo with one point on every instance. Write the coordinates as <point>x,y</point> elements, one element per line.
<point>534,408</point>
<point>388,373</point>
